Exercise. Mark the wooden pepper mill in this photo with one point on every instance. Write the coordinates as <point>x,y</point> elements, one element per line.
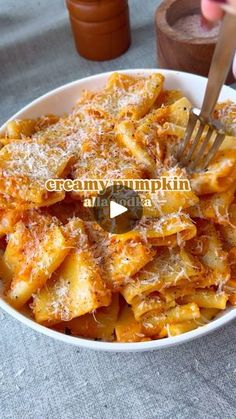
<point>101,28</point>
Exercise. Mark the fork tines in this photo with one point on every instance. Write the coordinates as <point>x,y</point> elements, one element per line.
<point>195,153</point>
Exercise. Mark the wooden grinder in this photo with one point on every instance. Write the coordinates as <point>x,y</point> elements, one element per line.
<point>101,28</point>
<point>178,51</point>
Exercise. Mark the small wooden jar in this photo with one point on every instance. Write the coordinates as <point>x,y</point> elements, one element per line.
<point>101,28</point>
<point>177,51</point>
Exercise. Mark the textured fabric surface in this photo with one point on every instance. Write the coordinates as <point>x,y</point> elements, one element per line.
<point>39,377</point>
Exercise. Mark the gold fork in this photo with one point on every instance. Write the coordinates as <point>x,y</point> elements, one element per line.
<point>195,154</point>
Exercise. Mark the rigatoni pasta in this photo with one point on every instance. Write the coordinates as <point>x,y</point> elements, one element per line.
<point>174,272</point>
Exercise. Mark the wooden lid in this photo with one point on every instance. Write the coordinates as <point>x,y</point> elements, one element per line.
<point>109,26</point>
<point>96,10</point>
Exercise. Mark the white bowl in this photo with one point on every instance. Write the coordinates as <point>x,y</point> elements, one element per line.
<point>61,100</point>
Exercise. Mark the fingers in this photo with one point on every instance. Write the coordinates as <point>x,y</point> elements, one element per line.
<point>234,66</point>
<point>211,10</point>
<point>233,3</point>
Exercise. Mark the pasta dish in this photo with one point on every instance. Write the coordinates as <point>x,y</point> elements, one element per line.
<point>173,272</point>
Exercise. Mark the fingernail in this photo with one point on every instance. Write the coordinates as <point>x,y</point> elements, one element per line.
<point>219,1</point>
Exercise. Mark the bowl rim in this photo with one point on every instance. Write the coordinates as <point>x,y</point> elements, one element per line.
<point>115,346</point>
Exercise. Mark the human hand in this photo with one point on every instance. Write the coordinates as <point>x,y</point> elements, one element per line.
<point>213,11</point>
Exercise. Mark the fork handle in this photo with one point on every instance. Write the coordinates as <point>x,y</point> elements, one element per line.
<point>220,65</point>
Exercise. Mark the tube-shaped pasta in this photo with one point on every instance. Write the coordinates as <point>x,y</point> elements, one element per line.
<point>153,323</point>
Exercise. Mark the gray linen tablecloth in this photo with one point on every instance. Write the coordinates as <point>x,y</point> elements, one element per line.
<point>41,378</point>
